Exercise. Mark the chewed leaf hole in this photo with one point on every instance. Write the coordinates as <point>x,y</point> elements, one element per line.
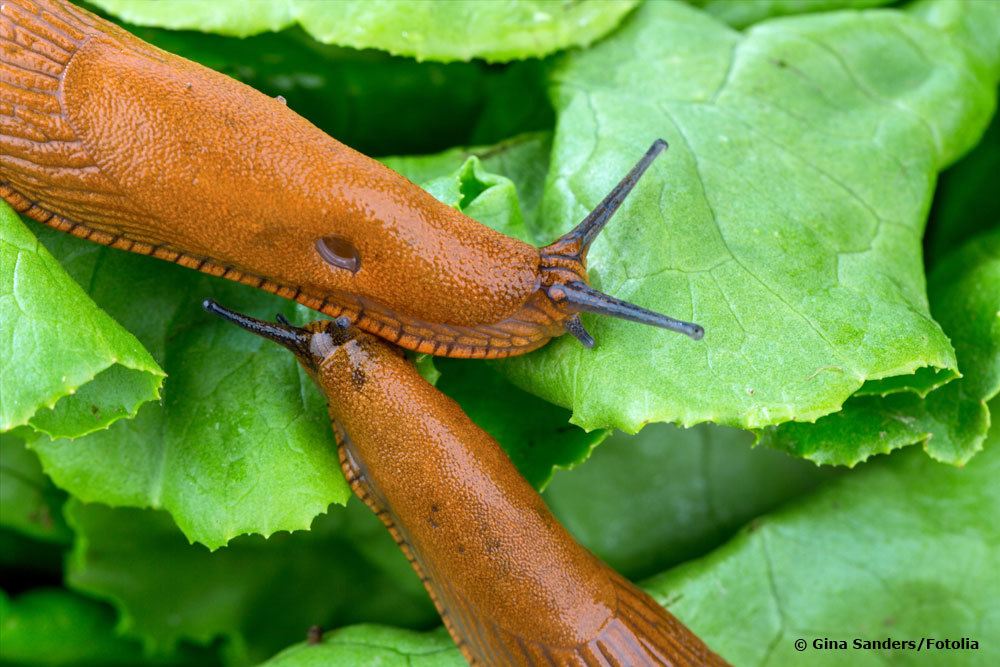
<point>339,252</point>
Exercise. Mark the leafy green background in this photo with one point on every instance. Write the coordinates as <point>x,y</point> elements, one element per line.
<point>168,486</point>
<point>456,30</point>
<point>67,368</point>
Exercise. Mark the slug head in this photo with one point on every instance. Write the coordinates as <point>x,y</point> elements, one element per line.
<point>310,344</point>
<point>561,281</point>
<point>564,266</point>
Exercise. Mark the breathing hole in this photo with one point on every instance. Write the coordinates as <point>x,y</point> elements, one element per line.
<point>339,252</point>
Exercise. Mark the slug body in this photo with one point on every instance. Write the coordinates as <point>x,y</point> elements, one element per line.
<point>511,585</point>
<point>111,139</point>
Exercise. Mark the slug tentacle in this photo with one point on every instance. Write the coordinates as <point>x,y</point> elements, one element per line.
<point>583,296</point>
<point>577,241</point>
<point>575,327</point>
<point>564,266</point>
<point>290,336</point>
<point>310,345</point>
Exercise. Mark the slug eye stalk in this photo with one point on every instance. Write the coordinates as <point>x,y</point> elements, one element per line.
<point>310,344</point>
<point>564,265</point>
<point>298,340</point>
<point>585,298</point>
<point>589,228</point>
<point>283,332</point>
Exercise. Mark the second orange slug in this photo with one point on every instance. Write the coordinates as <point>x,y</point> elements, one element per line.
<point>511,585</point>
<point>111,139</point>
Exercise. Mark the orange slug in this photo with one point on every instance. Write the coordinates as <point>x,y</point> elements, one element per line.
<point>113,140</point>
<point>510,583</point>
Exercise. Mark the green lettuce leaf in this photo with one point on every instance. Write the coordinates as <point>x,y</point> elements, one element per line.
<point>373,646</point>
<point>647,502</point>
<point>255,595</point>
<point>786,217</point>
<point>29,503</point>
<point>952,421</point>
<point>66,367</point>
<point>902,548</point>
<point>456,30</point>
<point>969,25</point>
<point>741,13</point>
<point>523,160</point>
<point>227,17</point>
<point>240,443</point>
<point>481,195</point>
<point>56,627</point>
